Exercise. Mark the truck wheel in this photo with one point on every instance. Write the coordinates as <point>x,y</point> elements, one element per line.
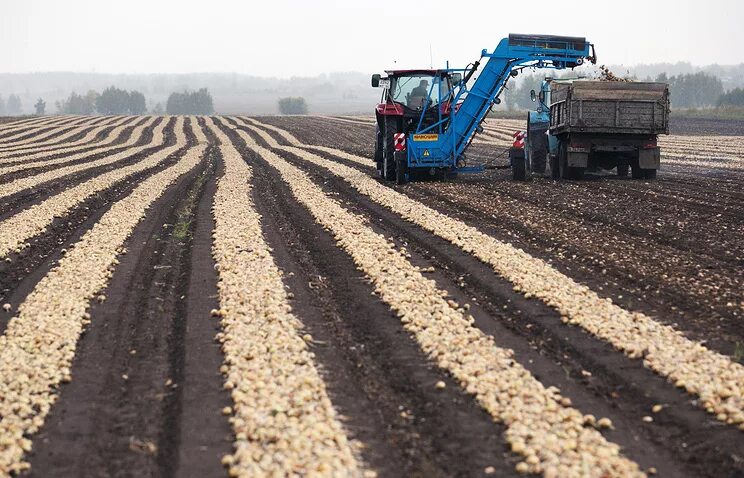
<point>650,173</point>
<point>637,173</point>
<point>388,160</point>
<point>401,167</point>
<point>565,171</point>
<point>622,170</point>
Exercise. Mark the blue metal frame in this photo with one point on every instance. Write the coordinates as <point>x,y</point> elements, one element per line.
<point>447,147</point>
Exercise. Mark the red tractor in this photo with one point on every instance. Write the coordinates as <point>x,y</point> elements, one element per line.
<point>405,95</point>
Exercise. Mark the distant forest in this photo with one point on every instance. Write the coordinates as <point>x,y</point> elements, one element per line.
<point>331,93</point>
<point>231,93</point>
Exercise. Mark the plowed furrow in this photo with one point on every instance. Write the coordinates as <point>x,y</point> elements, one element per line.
<point>34,134</point>
<point>715,378</point>
<point>39,344</point>
<point>629,390</point>
<point>85,135</point>
<point>122,153</point>
<point>125,406</point>
<point>535,418</point>
<point>26,224</point>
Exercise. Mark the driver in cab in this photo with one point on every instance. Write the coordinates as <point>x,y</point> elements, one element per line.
<point>419,94</point>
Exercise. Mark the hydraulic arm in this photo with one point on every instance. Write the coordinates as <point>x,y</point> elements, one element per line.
<point>443,143</point>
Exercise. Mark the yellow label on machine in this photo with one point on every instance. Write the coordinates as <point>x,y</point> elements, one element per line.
<point>426,153</point>
<point>425,137</point>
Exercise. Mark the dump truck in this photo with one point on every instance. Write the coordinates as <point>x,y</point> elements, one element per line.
<point>426,119</point>
<point>584,125</point>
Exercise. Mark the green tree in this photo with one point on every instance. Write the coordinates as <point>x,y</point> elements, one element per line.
<point>293,105</point>
<point>2,106</point>
<point>113,101</point>
<point>77,104</point>
<point>693,90</point>
<point>733,97</point>
<point>190,103</point>
<point>14,105</point>
<point>137,103</point>
<point>158,109</point>
<point>40,106</point>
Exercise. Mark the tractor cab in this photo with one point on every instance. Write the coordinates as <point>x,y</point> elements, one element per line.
<point>406,93</point>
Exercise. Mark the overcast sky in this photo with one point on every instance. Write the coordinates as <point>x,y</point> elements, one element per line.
<point>294,37</point>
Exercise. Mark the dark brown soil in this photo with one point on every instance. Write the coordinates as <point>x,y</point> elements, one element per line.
<point>146,393</point>
<point>124,413</point>
<point>558,355</point>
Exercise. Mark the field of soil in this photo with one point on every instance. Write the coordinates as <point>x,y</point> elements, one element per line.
<point>239,296</point>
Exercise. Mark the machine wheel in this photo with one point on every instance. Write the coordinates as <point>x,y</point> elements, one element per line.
<point>538,158</point>
<point>379,145</point>
<point>622,170</point>
<point>388,160</point>
<point>554,170</point>
<point>538,146</point>
<point>518,164</point>
<point>401,167</point>
<point>650,173</point>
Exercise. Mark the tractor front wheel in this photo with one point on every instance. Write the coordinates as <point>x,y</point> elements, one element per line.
<point>379,147</point>
<point>388,160</point>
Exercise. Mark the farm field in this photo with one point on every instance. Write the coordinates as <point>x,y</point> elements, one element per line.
<point>241,296</point>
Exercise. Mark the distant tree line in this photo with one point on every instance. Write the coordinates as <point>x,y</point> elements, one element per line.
<point>190,103</point>
<point>112,101</point>
<point>115,101</point>
<point>733,97</point>
<point>693,90</point>
<point>689,90</point>
<point>292,105</point>
<point>11,106</point>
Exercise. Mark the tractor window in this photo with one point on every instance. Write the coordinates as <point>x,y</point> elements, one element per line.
<point>413,90</point>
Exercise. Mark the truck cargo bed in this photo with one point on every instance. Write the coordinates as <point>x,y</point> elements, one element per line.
<point>609,107</point>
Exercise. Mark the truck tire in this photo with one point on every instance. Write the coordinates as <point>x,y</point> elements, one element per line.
<point>401,167</point>
<point>650,173</point>
<point>636,172</point>
<point>388,156</point>
<point>622,170</point>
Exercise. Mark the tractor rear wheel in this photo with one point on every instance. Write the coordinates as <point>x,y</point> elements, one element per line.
<point>388,160</point>
<point>401,167</point>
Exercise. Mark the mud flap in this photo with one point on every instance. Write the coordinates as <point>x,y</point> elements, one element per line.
<point>649,158</point>
<point>577,159</point>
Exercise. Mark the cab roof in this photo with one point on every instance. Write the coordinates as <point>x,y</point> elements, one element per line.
<point>427,71</point>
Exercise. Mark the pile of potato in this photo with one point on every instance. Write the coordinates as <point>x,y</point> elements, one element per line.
<point>284,422</point>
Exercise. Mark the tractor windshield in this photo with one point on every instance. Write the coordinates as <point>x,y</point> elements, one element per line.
<point>413,90</point>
